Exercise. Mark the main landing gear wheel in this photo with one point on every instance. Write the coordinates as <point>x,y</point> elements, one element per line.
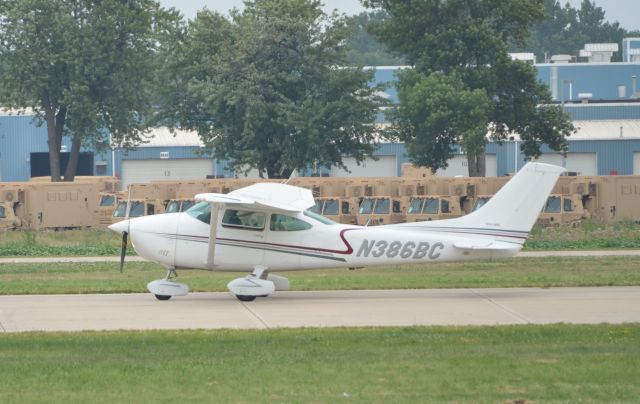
<point>162,297</point>
<point>245,298</point>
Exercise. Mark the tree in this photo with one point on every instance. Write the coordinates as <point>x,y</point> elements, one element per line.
<point>85,68</point>
<point>363,48</point>
<point>463,44</point>
<point>267,88</point>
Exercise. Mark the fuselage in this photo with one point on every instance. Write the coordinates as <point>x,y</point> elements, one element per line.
<point>295,241</point>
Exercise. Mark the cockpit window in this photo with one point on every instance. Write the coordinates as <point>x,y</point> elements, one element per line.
<point>186,205</point>
<point>317,217</point>
<point>243,219</point>
<point>201,211</point>
<point>2,212</point>
<point>287,223</point>
<point>366,207</point>
<point>317,208</point>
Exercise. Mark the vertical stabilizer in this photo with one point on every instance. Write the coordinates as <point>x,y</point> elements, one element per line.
<point>518,203</point>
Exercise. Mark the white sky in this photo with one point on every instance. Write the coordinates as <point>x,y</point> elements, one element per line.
<point>626,12</point>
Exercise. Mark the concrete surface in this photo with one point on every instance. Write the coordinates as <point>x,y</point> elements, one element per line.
<point>321,309</point>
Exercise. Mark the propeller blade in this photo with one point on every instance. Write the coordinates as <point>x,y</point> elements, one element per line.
<point>123,251</point>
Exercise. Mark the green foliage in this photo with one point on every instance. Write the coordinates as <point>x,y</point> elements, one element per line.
<point>362,47</point>
<point>265,88</point>
<point>85,68</point>
<point>497,364</point>
<point>464,44</point>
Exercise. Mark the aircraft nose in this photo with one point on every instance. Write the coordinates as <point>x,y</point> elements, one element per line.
<point>120,227</point>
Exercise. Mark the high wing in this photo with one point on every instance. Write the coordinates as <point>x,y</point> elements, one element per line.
<point>273,197</point>
<point>266,195</point>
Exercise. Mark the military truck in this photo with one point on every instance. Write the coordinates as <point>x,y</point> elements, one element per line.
<point>563,210</point>
<point>338,209</point>
<point>50,205</point>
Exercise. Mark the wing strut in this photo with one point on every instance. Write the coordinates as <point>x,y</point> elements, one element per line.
<point>213,233</point>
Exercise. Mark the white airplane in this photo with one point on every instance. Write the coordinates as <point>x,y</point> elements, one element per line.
<point>266,228</point>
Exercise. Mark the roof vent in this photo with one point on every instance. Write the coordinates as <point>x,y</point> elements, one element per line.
<point>599,52</point>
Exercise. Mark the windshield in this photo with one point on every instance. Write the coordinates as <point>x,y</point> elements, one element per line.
<point>172,207</point>
<point>416,206</point>
<point>317,208</point>
<point>201,211</point>
<point>430,206</point>
<point>331,207</point>
<point>107,200</point>
<point>553,205</point>
<point>2,213</point>
<point>382,206</point>
<point>137,209</point>
<point>186,205</point>
<point>480,203</point>
<point>317,217</point>
<point>366,206</point>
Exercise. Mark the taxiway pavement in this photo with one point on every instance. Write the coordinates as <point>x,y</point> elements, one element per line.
<point>584,305</point>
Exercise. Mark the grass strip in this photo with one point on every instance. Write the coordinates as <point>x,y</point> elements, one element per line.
<point>557,363</point>
<point>72,278</point>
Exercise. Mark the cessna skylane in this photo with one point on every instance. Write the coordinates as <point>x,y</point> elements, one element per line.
<point>266,228</point>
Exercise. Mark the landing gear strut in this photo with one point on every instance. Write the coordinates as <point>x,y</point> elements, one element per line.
<point>259,284</point>
<point>164,289</point>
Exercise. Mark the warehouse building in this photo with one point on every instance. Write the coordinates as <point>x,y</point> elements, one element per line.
<point>602,98</point>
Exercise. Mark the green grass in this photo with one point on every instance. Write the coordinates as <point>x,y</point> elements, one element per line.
<point>588,236</point>
<point>559,363</point>
<point>59,243</point>
<point>72,278</point>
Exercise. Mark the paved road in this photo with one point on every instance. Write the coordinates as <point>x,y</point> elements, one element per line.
<point>322,309</point>
<point>598,253</point>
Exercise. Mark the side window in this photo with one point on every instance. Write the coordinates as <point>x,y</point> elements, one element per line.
<point>345,208</point>
<point>568,205</point>
<point>243,219</point>
<point>151,209</point>
<point>445,206</point>
<point>287,223</point>
<point>553,205</point>
<point>2,212</point>
<point>396,207</point>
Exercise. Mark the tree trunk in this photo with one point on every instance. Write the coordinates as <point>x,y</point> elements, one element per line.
<point>72,165</point>
<point>477,164</point>
<point>54,145</point>
<point>55,128</point>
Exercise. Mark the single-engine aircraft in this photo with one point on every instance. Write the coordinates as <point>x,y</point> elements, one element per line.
<point>266,228</point>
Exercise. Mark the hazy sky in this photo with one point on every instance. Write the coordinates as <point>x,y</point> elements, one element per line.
<point>626,12</point>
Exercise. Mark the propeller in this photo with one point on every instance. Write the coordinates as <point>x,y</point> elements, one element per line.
<point>125,234</point>
<point>123,251</point>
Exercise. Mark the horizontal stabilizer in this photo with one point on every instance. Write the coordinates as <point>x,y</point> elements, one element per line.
<point>486,245</point>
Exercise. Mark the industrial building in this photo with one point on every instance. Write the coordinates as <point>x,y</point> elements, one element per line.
<point>602,98</point>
